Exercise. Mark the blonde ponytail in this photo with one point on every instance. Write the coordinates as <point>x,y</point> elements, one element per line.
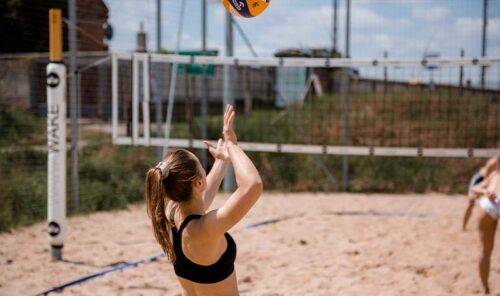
<point>156,201</point>
<point>171,180</point>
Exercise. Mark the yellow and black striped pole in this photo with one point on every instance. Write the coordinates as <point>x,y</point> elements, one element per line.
<point>56,137</point>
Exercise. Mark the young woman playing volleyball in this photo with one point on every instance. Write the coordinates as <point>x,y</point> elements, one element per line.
<point>178,194</point>
<point>487,195</point>
<point>478,177</point>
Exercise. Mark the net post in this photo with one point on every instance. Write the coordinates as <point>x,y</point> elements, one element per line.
<point>56,137</point>
<point>135,99</point>
<point>229,183</point>
<point>145,100</point>
<point>345,160</point>
<point>114,94</point>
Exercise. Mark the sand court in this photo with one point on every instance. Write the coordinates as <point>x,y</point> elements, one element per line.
<point>300,244</point>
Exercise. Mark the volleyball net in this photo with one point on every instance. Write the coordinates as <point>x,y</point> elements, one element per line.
<point>430,107</point>
<point>428,123</point>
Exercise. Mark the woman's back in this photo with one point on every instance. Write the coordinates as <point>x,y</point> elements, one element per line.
<point>204,266</point>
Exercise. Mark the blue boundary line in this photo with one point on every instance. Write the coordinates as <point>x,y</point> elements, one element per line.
<point>102,273</point>
<point>271,221</point>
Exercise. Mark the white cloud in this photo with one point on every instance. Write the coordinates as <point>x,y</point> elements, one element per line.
<point>364,18</point>
<point>281,27</point>
<point>311,27</point>
<point>383,41</point>
<point>187,41</point>
<point>467,26</point>
<point>471,29</point>
<point>429,14</point>
<point>494,28</point>
<point>126,16</point>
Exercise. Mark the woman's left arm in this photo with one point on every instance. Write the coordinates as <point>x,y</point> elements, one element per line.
<point>214,178</point>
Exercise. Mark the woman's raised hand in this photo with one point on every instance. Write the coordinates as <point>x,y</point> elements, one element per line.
<point>218,152</point>
<point>227,129</point>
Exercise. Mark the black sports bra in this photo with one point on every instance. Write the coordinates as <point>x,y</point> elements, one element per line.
<point>203,274</point>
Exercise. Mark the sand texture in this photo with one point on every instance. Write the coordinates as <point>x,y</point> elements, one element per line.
<point>327,244</point>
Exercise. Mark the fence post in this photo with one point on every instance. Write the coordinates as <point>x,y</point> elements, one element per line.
<point>345,163</point>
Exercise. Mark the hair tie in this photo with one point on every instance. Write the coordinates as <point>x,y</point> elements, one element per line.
<point>163,166</point>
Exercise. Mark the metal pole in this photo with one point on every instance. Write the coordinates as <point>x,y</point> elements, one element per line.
<point>158,25</point>
<point>483,44</point>
<point>73,103</point>
<point>173,79</point>
<point>159,81</point>
<point>334,26</point>
<point>229,181</point>
<point>386,55</point>
<point>461,76</point>
<point>345,163</point>
<point>244,37</point>
<point>204,90</point>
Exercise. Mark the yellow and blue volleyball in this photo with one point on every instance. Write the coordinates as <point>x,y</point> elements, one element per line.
<point>245,8</point>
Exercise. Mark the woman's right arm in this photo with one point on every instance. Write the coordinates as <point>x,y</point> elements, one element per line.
<point>248,181</point>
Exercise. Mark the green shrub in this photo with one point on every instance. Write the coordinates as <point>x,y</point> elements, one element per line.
<point>99,196</point>
<point>20,126</point>
<point>23,199</point>
<point>112,176</point>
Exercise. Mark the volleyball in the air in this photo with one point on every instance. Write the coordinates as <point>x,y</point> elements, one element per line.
<point>245,8</point>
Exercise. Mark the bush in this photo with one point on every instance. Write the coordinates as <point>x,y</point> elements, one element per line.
<point>294,172</point>
<point>20,126</point>
<point>99,196</point>
<point>111,177</point>
<point>23,200</point>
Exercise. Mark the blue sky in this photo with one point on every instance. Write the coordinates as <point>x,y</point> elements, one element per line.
<point>405,28</point>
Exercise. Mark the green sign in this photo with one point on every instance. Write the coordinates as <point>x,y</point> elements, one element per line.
<point>197,69</point>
